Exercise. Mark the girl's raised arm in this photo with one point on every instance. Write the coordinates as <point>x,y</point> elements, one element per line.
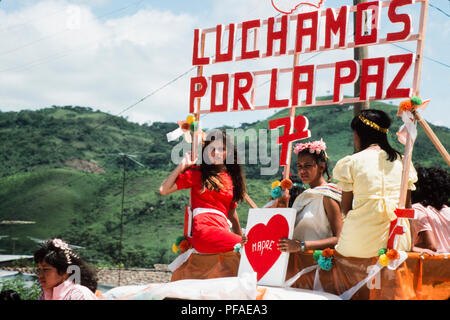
<point>168,186</point>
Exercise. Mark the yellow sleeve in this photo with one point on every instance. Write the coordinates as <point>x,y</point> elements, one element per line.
<point>412,178</point>
<point>343,173</point>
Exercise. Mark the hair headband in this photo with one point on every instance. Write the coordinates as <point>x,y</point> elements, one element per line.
<point>58,243</point>
<point>372,124</point>
<point>314,147</point>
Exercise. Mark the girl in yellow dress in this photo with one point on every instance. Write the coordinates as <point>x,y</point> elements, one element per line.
<point>370,182</point>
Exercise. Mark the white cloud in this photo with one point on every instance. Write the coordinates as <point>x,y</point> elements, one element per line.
<point>107,65</point>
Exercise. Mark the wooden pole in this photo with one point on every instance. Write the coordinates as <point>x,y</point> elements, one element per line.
<point>416,85</point>
<point>121,217</point>
<point>432,136</point>
<point>405,173</point>
<point>359,54</point>
<point>287,168</point>
<point>195,140</point>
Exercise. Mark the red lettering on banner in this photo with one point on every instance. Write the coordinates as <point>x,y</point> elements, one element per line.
<point>228,56</point>
<point>274,102</point>
<point>198,90</point>
<point>395,231</point>
<point>215,79</point>
<point>340,80</point>
<point>239,91</point>
<point>303,31</point>
<point>246,26</point>
<point>376,78</point>
<point>375,7</point>
<point>300,131</point>
<point>307,85</point>
<point>393,91</point>
<point>277,35</point>
<point>334,25</point>
<point>397,18</point>
<point>196,60</point>
<point>304,79</point>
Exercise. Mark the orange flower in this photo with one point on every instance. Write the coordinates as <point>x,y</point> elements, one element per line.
<point>286,184</point>
<point>185,126</point>
<point>405,105</point>
<point>184,245</point>
<point>392,254</point>
<point>328,252</point>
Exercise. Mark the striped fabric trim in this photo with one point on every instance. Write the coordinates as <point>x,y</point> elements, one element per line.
<point>329,190</point>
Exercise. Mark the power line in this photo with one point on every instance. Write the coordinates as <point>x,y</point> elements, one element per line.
<point>440,10</point>
<point>425,57</point>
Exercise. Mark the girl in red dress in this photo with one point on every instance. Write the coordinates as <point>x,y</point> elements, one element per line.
<point>216,187</point>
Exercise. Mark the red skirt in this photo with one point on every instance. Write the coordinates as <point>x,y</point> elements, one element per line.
<point>211,234</point>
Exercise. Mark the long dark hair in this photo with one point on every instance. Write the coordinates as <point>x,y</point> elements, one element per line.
<point>210,172</point>
<point>432,187</point>
<point>58,258</point>
<point>369,135</point>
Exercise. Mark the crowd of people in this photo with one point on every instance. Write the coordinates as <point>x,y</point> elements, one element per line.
<point>353,216</point>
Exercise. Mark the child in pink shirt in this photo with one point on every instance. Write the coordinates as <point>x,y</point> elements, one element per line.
<point>430,201</point>
<point>55,262</point>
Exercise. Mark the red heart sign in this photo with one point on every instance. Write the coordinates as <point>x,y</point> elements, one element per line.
<point>261,247</point>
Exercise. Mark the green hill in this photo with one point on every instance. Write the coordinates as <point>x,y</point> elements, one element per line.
<point>47,138</point>
<point>61,169</point>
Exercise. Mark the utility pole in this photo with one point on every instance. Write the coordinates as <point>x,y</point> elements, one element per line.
<point>124,156</point>
<point>359,54</point>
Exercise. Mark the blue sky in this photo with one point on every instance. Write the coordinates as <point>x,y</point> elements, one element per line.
<point>109,54</point>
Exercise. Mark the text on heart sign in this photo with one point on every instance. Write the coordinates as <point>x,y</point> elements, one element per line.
<point>260,246</point>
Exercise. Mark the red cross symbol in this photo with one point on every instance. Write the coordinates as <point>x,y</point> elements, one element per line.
<point>301,132</point>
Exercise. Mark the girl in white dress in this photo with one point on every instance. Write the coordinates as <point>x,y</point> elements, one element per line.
<point>319,221</point>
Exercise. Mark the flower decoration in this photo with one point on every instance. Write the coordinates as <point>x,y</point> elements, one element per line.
<point>313,147</point>
<point>324,258</point>
<point>276,193</point>
<point>189,119</point>
<point>276,184</point>
<point>385,255</point>
<point>383,260</point>
<point>181,245</point>
<point>58,243</point>
<point>325,263</point>
<point>185,127</point>
<point>405,105</point>
<point>411,104</point>
<point>184,245</point>
<point>328,252</point>
<point>286,184</point>
<point>392,254</point>
<point>317,254</point>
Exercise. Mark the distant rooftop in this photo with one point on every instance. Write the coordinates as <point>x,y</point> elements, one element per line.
<point>12,257</point>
